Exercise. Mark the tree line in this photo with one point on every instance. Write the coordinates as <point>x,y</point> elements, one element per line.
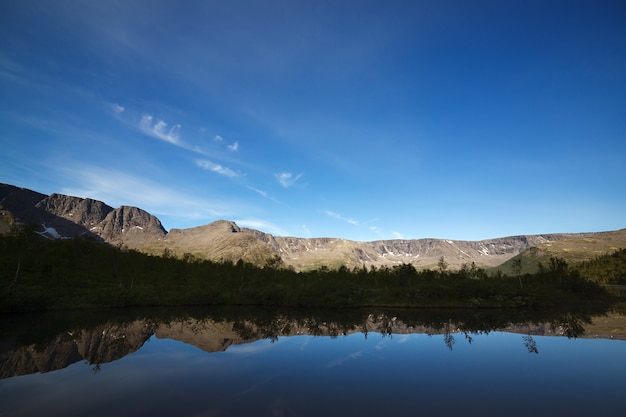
<point>606,269</point>
<point>38,273</point>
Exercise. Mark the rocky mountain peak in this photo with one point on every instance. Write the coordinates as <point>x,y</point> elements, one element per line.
<point>127,224</point>
<point>59,215</point>
<point>227,225</point>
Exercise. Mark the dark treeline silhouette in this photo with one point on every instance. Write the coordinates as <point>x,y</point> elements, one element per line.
<point>606,269</point>
<point>38,273</point>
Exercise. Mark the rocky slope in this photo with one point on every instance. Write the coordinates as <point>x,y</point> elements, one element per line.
<point>60,215</point>
<point>422,253</point>
<point>221,240</point>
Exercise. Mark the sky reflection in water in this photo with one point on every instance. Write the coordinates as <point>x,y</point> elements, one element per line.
<point>400,375</point>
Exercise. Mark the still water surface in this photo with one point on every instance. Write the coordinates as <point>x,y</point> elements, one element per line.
<point>375,365</point>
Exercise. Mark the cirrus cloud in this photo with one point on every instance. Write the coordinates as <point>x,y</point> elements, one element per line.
<point>287,179</point>
<point>117,108</point>
<point>217,168</point>
<point>158,129</point>
<point>263,225</point>
<point>340,217</point>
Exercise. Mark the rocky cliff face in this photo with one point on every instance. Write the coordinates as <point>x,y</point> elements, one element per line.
<point>422,253</point>
<point>84,212</point>
<point>45,213</point>
<point>131,226</point>
<point>63,216</point>
<point>427,252</point>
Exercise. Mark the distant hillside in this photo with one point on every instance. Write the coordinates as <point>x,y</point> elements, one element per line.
<point>59,216</point>
<point>572,248</point>
<point>422,253</point>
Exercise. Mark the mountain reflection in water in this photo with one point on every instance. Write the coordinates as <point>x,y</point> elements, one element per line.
<point>32,343</point>
<point>249,362</point>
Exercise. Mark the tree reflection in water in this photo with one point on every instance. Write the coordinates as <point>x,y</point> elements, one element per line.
<point>530,344</point>
<point>44,342</point>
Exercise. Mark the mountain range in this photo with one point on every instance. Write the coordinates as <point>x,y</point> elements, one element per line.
<point>61,216</point>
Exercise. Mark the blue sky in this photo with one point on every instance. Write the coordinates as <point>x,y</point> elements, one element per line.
<point>363,120</point>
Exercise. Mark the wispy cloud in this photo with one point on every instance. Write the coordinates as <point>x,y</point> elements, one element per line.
<point>264,194</point>
<point>104,184</point>
<point>341,360</point>
<point>262,225</point>
<point>233,147</point>
<point>376,230</point>
<point>217,168</point>
<point>340,217</point>
<point>155,128</point>
<point>306,230</point>
<point>158,129</point>
<point>385,233</point>
<point>247,349</point>
<point>260,192</point>
<point>287,179</point>
<point>117,109</point>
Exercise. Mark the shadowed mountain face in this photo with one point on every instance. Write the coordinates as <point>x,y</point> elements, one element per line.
<point>58,215</point>
<point>84,212</point>
<point>61,216</point>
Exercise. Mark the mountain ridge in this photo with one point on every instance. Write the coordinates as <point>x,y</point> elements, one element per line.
<point>59,215</point>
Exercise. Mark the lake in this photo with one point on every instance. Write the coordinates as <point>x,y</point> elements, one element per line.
<point>251,362</point>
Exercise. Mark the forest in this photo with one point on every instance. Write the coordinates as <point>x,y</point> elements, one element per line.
<point>43,274</point>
